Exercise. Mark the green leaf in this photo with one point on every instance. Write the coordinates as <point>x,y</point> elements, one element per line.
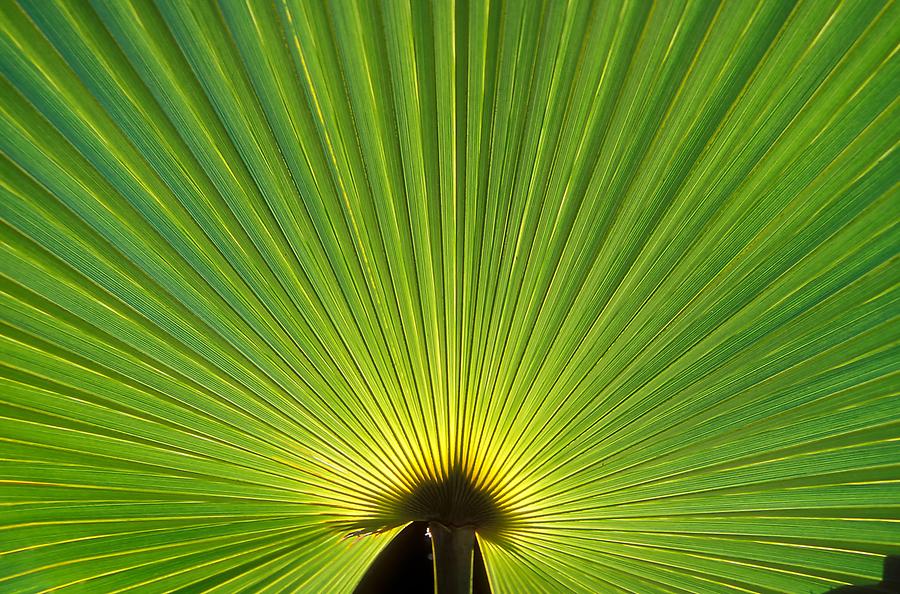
<point>615,283</point>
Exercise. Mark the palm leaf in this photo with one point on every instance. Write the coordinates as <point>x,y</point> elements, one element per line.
<point>614,282</point>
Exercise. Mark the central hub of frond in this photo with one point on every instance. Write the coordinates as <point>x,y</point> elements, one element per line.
<point>453,500</point>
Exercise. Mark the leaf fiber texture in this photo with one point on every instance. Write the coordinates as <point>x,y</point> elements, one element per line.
<point>614,282</point>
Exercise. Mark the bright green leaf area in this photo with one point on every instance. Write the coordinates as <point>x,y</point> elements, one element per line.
<point>615,282</point>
